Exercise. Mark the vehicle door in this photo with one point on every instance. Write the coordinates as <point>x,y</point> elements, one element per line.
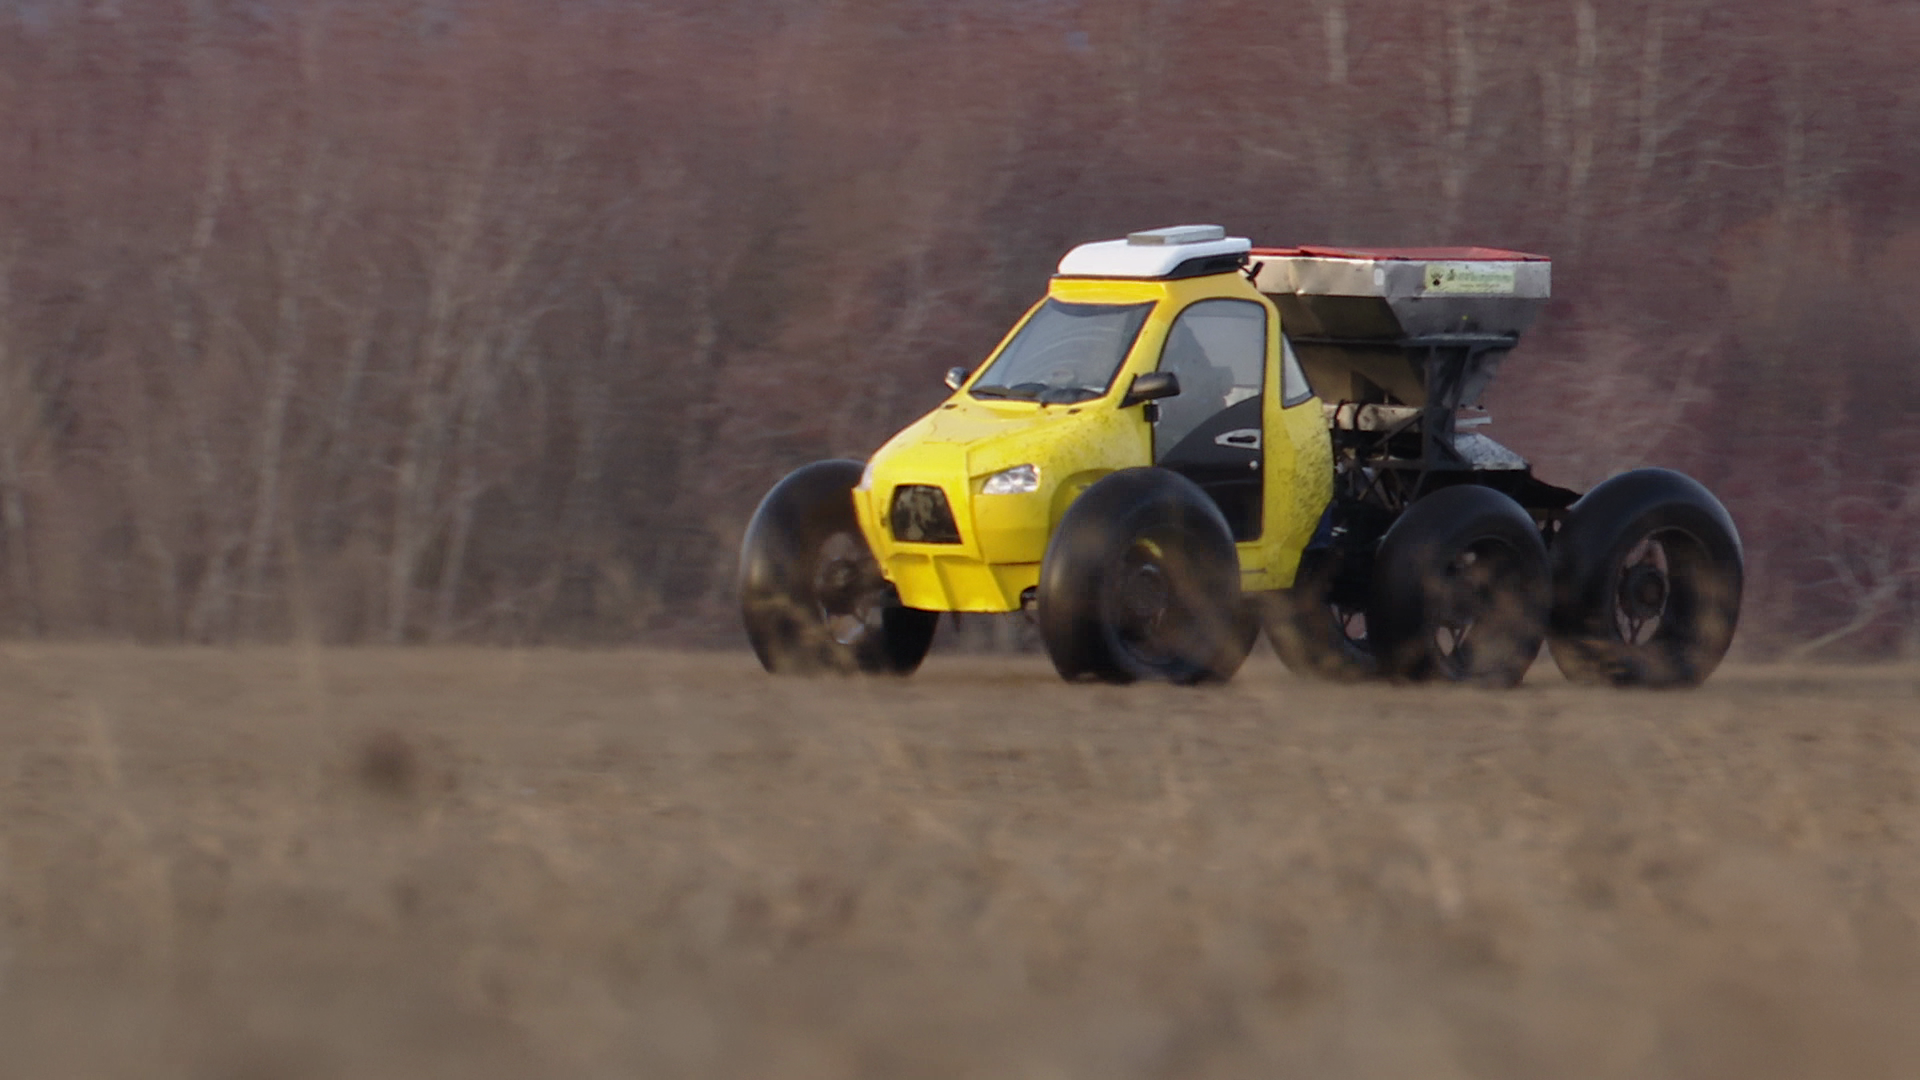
<point>1210,432</point>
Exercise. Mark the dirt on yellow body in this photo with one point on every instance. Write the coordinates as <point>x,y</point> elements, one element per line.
<point>965,440</point>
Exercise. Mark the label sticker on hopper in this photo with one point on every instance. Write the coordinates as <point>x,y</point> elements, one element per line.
<point>1465,278</point>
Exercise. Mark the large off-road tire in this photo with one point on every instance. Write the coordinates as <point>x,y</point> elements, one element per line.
<point>1647,575</point>
<point>1141,581</point>
<point>1317,630</point>
<point>811,594</point>
<point>1460,590</point>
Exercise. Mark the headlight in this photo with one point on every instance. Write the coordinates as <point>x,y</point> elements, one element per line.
<point>1019,480</point>
<point>866,478</point>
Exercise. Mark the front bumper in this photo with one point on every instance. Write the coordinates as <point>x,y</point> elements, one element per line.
<point>952,582</point>
<point>996,558</point>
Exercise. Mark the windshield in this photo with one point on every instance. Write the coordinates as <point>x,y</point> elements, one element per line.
<point>1065,353</point>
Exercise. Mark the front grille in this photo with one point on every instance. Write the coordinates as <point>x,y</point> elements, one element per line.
<point>921,515</point>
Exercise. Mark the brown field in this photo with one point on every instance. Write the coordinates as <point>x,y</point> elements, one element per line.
<point>255,864</point>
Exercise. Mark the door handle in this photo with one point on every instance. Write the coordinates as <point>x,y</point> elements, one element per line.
<point>1239,439</point>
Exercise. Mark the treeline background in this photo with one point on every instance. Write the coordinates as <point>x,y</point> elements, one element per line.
<point>385,321</point>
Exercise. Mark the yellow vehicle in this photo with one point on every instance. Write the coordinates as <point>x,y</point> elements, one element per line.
<point>1189,437</point>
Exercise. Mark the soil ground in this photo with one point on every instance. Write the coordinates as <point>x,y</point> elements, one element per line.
<point>469,863</point>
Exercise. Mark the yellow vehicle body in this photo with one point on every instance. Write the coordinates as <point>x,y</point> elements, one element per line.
<point>1003,537</point>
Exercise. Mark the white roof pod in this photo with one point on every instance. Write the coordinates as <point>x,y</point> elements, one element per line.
<point>1176,252</point>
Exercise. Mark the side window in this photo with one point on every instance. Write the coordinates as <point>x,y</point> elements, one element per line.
<point>1294,387</point>
<point>1218,348</point>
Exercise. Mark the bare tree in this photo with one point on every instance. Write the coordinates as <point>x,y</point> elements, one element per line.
<point>1866,532</point>
<point>23,437</point>
<point>503,330</point>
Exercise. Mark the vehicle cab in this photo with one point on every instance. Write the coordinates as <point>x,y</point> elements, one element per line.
<point>1151,350</point>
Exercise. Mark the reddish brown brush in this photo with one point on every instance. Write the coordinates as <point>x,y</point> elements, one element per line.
<point>392,321</point>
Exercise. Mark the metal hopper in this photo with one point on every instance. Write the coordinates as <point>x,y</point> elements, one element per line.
<point>1415,331</point>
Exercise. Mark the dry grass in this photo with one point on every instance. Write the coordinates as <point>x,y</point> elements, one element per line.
<point>474,864</point>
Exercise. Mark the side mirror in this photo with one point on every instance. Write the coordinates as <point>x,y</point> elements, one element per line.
<point>1152,386</point>
<point>956,376</point>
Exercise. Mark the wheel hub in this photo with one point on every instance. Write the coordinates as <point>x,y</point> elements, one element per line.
<point>1643,592</point>
<point>1464,591</point>
<point>838,586</point>
<point>1144,594</point>
<point>848,591</point>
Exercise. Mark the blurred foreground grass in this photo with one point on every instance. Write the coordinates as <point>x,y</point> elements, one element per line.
<point>483,863</point>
